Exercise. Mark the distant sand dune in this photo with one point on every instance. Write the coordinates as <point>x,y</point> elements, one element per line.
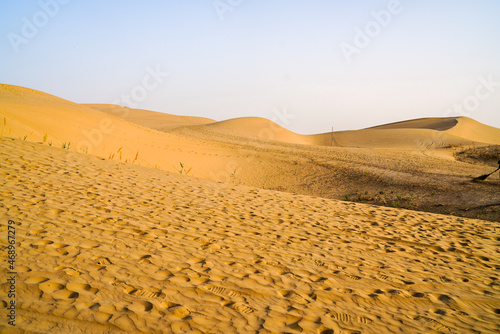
<point>438,124</point>
<point>151,119</point>
<point>25,113</point>
<point>412,159</point>
<point>420,133</point>
<point>259,128</point>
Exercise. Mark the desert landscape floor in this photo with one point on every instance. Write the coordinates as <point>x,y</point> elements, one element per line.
<point>107,247</point>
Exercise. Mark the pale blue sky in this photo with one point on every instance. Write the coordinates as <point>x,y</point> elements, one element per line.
<point>263,55</point>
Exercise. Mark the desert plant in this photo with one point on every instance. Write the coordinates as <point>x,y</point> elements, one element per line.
<point>233,175</point>
<point>66,146</point>
<point>45,137</point>
<point>182,170</point>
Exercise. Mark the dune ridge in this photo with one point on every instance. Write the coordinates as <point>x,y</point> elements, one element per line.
<point>151,119</point>
<point>410,164</point>
<point>45,118</point>
<point>419,133</point>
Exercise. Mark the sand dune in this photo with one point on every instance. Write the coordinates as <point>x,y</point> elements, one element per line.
<point>118,241</point>
<point>473,130</point>
<point>420,133</point>
<point>151,119</point>
<point>438,124</point>
<point>393,165</point>
<point>40,117</point>
<point>257,128</point>
<point>102,249</point>
<point>34,114</point>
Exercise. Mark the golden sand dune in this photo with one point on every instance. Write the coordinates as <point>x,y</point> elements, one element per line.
<point>257,128</point>
<point>392,165</point>
<point>473,130</point>
<point>151,119</point>
<point>40,117</point>
<point>98,128</point>
<point>107,248</point>
<point>418,133</point>
<point>432,123</point>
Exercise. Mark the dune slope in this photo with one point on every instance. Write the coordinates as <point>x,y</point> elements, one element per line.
<point>102,249</point>
<point>421,133</point>
<point>40,117</point>
<point>256,128</point>
<point>151,119</point>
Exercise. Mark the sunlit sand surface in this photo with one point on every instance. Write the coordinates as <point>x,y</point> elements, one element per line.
<point>117,245</point>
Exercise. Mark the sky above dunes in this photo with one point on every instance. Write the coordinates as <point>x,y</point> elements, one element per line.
<point>308,65</point>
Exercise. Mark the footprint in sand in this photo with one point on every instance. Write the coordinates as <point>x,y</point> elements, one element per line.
<point>434,323</point>
<point>146,293</point>
<point>353,277</point>
<point>243,308</point>
<point>223,291</point>
<point>342,317</point>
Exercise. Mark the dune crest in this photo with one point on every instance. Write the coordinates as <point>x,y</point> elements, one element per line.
<point>257,128</point>
<point>432,123</point>
<point>151,119</point>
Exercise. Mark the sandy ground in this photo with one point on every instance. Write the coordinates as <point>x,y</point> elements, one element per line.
<point>409,164</point>
<point>130,221</point>
<point>105,247</point>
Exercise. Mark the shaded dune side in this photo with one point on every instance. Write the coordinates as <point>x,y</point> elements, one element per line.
<point>439,124</point>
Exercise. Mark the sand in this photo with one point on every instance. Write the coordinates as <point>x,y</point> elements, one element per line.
<point>151,119</point>
<point>174,224</point>
<point>106,249</point>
